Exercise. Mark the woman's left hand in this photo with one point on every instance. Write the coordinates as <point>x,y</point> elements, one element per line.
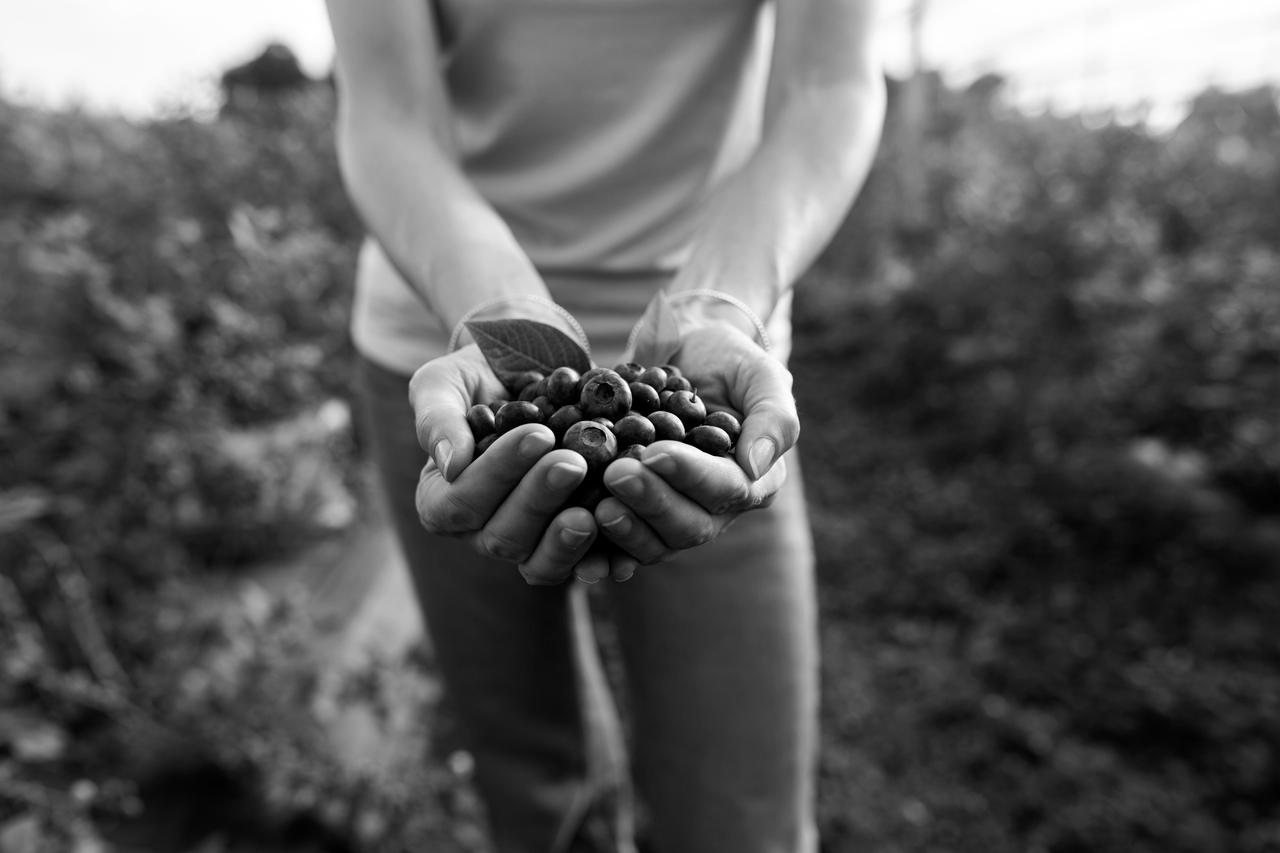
<point>676,496</point>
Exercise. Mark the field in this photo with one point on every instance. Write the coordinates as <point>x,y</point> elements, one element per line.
<point>1041,439</point>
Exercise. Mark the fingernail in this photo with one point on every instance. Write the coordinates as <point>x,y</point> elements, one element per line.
<point>662,463</point>
<point>620,525</point>
<point>443,454</point>
<point>574,538</point>
<point>532,446</point>
<point>580,576</point>
<point>563,475</point>
<point>629,486</point>
<point>624,571</point>
<point>761,457</point>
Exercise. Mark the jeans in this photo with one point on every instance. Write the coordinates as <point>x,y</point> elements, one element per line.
<point>720,656</point>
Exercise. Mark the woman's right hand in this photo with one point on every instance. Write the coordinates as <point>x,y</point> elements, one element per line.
<point>508,502</point>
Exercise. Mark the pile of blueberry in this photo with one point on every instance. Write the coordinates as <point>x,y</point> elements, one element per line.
<point>604,414</point>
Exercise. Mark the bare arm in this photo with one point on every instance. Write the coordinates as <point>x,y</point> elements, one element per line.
<point>398,160</point>
<point>823,114</point>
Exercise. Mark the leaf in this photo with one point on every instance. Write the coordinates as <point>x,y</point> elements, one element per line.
<point>512,347</point>
<point>658,332</point>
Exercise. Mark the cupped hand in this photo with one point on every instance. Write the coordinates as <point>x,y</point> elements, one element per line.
<point>677,497</point>
<point>509,501</point>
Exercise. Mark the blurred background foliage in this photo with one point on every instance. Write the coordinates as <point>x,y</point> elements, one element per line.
<point>1039,370</point>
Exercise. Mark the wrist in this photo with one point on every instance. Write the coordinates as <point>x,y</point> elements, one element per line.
<point>706,307</point>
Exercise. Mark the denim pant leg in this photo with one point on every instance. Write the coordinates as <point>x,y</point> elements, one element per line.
<point>534,713</point>
<point>722,662</point>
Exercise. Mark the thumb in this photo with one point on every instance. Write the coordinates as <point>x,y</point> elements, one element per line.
<point>440,398</point>
<point>770,424</point>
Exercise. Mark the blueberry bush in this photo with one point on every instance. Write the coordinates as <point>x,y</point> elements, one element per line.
<point>1042,441</point>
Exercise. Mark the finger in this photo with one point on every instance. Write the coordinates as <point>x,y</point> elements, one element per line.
<point>440,393</point>
<point>678,521</point>
<point>594,566</point>
<point>621,567</point>
<point>761,388</point>
<point>518,524</point>
<point>717,484</point>
<point>563,546</point>
<point>468,503</point>
<point>630,533</point>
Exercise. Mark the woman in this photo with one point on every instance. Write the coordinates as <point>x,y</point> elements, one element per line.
<point>563,161</point>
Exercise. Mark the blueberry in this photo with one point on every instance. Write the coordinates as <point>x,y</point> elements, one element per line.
<point>655,376</point>
<point>480,419</point>
<point>483,444</point>
<point>644,398</point>
<point>562,386</point>
<point>514,414</point>
<point>678,383</point>
<point>593,442</point>
<point>563,418</point>
<point>666,426</point>
<point>709,439</point>
<point>688,407</point>
<point>634,451</point>
<point>630,371</point>
<point>726,422</point>
<point>545,406</point>
<point>605,396</point>
<point>634,429</point>
<point>585,378</point>
<point>589,493</point>
<point>671,370</point>
<point>533,390</point>
<point>517,383</point>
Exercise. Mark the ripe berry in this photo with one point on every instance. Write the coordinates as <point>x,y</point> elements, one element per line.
<point>644,398</point>
<point>520,381</point>
<point>655,376</point>
<point>688,407</point>
<point>672,370</point>
<point>483,444</point>
<point>480,419</point>
<point>563,418</point>
<point>634,429</point>
<point>605,396</point>
<point>604,422</point>
<point>666,426</point>
<point>562,386</point>
<point>585,378</point>
<point>533,391</point>
<point>709,439</point>
<point>678,383</point>
<point>593,442</point>
<point>630,371</point>
<point>726,422</point>
<point>545,406</point>
<point>514,414</point>
<point>589,493</point>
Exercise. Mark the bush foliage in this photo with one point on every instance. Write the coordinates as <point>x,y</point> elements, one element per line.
<point>1041,408</point>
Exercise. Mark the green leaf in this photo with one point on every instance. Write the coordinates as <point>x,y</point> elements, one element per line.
<point>512,347</point>
<point>659,334</point>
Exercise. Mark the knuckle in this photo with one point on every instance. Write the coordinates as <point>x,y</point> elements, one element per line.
<point>500,547</point>
<point>535,576</point>
<point>455,514</point>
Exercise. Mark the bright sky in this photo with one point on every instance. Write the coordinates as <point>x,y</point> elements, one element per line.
<point>135,55</point>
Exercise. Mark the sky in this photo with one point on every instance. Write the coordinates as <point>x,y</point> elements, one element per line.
<point>135,56</point>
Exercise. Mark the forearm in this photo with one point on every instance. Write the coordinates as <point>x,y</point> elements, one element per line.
<point>766,224</point>
<point>444,239</point>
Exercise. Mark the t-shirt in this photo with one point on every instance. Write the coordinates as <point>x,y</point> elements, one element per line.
<point>595,128</point>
